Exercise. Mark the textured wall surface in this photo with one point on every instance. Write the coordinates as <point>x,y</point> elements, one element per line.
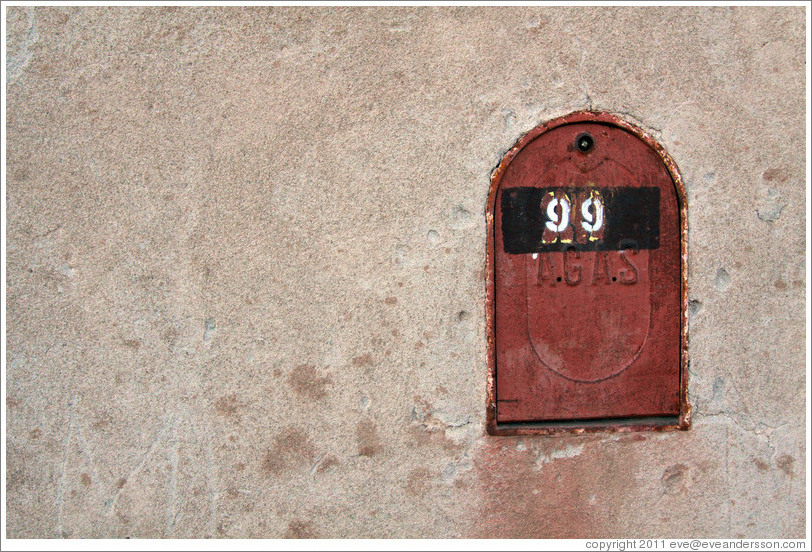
<point>246,247</point>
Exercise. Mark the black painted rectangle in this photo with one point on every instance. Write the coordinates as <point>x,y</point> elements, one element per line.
<point>631,220</point>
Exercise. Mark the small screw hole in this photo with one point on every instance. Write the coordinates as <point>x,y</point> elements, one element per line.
<point>558,279</point>
<point>614,278</point>
<point>584,142</point>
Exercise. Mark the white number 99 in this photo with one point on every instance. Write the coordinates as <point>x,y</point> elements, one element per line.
<point>588,223</point>
<point>555,224</point>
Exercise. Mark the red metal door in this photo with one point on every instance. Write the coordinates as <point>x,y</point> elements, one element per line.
<point>586,281</point>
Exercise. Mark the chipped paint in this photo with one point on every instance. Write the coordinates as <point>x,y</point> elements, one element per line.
<point>570,451</point>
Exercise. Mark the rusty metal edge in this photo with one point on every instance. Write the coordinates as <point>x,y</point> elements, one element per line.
<point>608,428</point>
<point>684,418</point>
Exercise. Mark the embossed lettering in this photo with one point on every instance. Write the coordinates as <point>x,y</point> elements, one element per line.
<point>628,275</point>
<point>600,270</point>
<point>572,271</point>
<point>545,271</point>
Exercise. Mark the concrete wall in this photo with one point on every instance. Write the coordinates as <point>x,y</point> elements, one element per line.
<point>246,247</point>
